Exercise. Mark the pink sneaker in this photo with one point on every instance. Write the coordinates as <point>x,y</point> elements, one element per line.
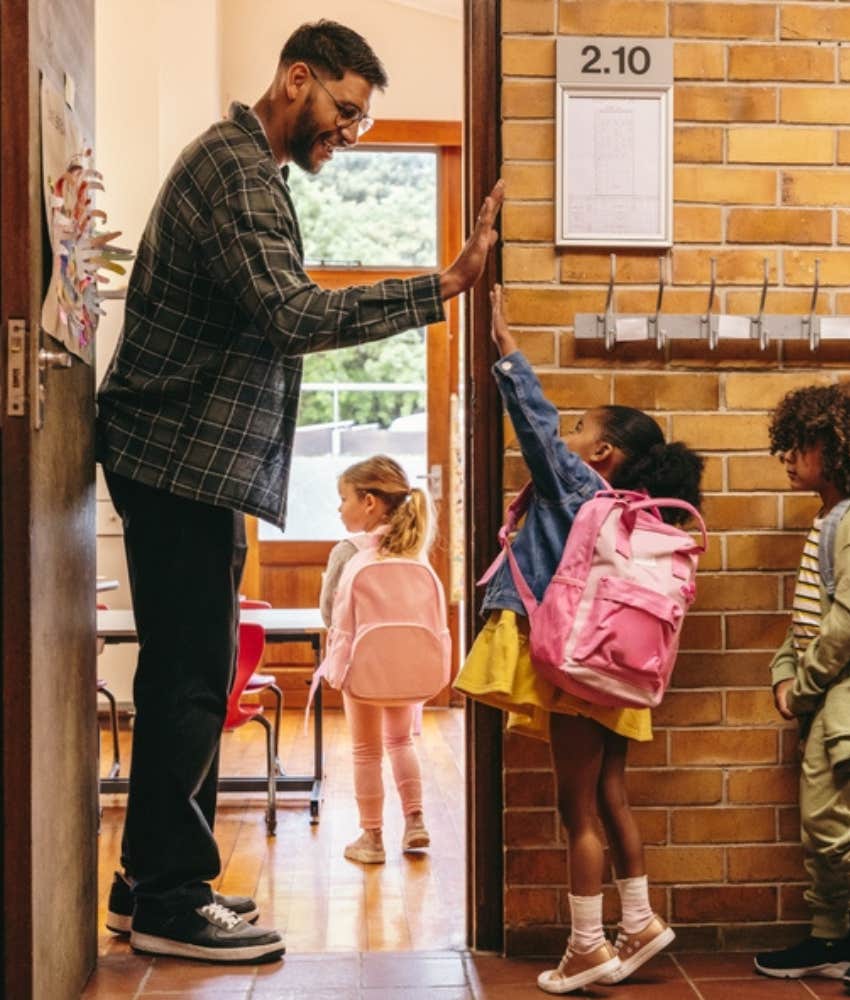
<point>635,949</point>
<point>577,969</point>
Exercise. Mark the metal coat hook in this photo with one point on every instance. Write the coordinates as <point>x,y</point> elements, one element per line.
<point>757,326</point>
<point>808,324</point>
<point>705,329</point>
<point>606,326</point>
<point>652,321</point>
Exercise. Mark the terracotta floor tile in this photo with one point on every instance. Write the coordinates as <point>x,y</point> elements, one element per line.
<point>303,971</point>
<point>733,965</point>
<point>117,975</point>
<point>411,970</point>
<point>756,988</point>
<point>179,974</point>
<point>426,993</point>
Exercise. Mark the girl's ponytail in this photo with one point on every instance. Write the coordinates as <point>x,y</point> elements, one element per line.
<point>410,526</point>
<point>410,520</point>
<point>665,470</point>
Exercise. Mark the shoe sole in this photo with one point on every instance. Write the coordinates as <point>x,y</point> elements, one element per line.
<point>649,950</point>
<point>417,842</point>
<point>150,944</point>
<point>365,859</point>
<point>829,970</point>
<point>119,923</point>
<point>581,979</point>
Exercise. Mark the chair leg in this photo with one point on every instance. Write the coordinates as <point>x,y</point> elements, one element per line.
<point>278,715</point>
<point>271,814</point>
<point>115,769</point>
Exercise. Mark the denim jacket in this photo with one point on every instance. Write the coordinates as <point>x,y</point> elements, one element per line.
<point>562,483</point>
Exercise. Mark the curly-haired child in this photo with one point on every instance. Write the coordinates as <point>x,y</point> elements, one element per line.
<point>810,432</point>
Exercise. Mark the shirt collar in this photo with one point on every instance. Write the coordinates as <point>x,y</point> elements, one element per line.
<point>247,119</point>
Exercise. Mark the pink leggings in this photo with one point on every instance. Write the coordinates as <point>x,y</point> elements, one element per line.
<point>372,728</point>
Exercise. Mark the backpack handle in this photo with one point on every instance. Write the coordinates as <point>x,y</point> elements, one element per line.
<point>627,521</point>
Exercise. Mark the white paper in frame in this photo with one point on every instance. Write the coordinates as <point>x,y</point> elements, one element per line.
<point>614,165</point>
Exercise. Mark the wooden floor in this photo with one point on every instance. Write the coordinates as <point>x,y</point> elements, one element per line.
<point>356,932</point>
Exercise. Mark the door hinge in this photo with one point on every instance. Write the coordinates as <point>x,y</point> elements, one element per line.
<point>16,366</point>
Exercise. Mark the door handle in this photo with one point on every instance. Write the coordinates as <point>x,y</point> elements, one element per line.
<point>53,359</point>
<point>435,481</point>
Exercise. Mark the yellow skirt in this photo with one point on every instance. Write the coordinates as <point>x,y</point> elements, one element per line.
<point>499,672</point>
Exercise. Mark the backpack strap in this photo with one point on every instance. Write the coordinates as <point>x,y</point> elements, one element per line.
<point>826,545</point>
<point>519,505</point>
<point>627,521</point>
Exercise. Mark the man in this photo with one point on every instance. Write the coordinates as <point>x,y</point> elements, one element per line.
<point>196,417</point>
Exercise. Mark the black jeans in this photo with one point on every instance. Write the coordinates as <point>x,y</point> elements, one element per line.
<point>185,562</point>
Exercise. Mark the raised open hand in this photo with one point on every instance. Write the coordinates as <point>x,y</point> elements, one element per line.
<point>468,266</point>
<point>502,336</point>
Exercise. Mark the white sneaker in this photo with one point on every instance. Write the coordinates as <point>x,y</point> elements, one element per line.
<point>366,850</point>
<point>634,950</point>
<point>577,969</point>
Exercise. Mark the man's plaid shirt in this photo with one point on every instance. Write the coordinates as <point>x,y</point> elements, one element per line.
<point>201,396</point>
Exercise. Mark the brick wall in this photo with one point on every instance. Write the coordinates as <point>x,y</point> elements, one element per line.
<point>762,145</point>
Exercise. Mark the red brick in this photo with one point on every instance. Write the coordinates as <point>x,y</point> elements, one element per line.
<point>765,863</point>
<point>674,787</point>
<point>724,904</point>
<point>723,746</point>
<point>722,826</point>
<point>763,785</point>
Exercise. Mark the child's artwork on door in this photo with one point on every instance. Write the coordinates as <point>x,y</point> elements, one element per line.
<point>82,252</point>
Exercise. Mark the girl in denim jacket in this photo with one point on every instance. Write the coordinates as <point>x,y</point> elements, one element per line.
<point>625,448</point>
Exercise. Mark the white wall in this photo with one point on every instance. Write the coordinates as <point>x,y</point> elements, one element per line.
<point>421,51</point>
<point>153,94</point>
<point>166,69</point>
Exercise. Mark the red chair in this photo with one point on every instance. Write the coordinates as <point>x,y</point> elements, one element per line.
<point>103,689</point>
<point>252,641</point>
<point>266,682</point>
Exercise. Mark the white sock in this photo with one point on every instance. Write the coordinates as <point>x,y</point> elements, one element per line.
<point>634,901</point>
<point>586,932</point>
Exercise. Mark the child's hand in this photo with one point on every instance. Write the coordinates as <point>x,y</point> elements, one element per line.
<point>780,698</point>
<point>502,336</point>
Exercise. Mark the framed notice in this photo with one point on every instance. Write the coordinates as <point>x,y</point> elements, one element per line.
<point>614,155</point>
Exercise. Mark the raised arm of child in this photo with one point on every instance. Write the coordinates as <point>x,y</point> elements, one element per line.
<point>553,466</point>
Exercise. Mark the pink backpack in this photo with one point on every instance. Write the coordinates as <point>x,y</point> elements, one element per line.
<point>388,642</point>
<point>607,629</point>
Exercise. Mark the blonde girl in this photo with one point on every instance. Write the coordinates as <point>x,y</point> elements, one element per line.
<point>376,499</point>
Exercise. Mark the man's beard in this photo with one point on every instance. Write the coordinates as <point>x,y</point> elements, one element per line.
<point>304,137</point>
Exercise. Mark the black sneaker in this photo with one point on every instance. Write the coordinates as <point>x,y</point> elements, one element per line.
<point>210,932</point>
<point>119,914</point>
<point>812,957</point>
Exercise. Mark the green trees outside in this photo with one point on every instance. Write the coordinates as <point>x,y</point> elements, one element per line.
<point>368,209</point>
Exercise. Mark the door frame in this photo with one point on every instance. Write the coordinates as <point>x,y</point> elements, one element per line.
<point>483,461</point>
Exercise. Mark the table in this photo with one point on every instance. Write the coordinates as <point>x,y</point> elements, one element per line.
<point>281,625</point>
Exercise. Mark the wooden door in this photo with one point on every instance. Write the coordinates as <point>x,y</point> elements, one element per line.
<point>48,739</point>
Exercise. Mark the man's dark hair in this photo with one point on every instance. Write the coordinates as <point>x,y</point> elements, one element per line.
<point>336,49</point>
<point>816,414</point>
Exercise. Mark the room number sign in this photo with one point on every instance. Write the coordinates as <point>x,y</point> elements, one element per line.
<point>614,101</point>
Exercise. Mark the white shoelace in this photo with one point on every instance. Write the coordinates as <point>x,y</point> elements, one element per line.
<point>220,916</point>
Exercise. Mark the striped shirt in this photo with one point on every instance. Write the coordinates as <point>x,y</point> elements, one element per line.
<point>806,607</point>
<point>201,396</point>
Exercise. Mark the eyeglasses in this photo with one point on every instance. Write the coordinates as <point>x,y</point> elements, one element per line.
<point>346,114</point>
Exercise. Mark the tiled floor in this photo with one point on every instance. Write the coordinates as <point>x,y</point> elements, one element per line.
<point>443,975</point>
<point>358,932</point>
